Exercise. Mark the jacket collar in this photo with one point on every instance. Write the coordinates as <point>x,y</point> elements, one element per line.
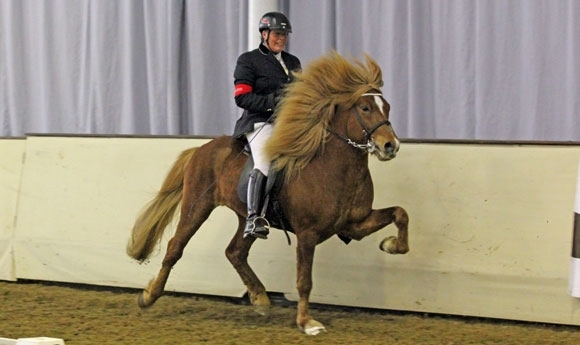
<point>263,49</point>
<point>270,56</point>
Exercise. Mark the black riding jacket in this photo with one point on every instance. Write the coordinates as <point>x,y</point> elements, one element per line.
<point>259,78</point>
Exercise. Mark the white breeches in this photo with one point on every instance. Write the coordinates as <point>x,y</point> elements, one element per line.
<point>257,140</point>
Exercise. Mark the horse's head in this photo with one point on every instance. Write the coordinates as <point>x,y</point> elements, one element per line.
<point>371,129</point>
<point>336,96</point>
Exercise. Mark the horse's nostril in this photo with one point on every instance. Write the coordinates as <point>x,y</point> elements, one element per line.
<point>391,147</point>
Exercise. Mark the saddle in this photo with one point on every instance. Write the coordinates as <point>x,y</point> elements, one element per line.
<point>272,209</point>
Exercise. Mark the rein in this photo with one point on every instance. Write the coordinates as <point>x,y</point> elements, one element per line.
<point>369,146</point>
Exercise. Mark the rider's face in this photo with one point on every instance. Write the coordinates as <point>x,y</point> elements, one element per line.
<point>276,41</point>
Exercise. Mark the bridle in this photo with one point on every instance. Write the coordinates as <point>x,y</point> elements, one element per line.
<point>370,145</point>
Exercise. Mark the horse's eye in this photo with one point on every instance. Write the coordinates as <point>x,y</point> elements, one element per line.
<point>365,108</point>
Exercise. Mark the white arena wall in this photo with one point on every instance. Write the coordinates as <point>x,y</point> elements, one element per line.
<point>11,162</point>
<point>490,229</point>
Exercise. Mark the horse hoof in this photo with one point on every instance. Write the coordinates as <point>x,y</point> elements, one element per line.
<point>141,301</point>
<point>263,310</point>
<point>392,246</point>
<point>313,327</point>
<point>261,303</point>
<point>389,245</point>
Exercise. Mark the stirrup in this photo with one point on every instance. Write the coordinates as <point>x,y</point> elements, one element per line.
<point>260,231</point>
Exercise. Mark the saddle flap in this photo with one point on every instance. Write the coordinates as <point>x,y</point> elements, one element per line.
<point>245,176</point>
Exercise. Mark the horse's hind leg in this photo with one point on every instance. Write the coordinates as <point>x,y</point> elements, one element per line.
<point>237,253</point>
<point>189,223</point>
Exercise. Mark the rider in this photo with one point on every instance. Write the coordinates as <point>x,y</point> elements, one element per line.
<point>259,78</point>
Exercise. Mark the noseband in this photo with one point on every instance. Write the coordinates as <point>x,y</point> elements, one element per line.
<point>369,146</point>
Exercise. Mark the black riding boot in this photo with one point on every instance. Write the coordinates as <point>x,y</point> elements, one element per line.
<point>256,225</point>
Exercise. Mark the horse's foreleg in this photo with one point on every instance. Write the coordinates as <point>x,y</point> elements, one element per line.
<point>305,258</point>
<point>237,253</point>
<point>377,220</point>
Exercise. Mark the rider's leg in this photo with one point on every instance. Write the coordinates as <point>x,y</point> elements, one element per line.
<point>256,225</point>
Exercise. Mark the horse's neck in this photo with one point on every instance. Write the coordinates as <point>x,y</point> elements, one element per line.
<point>342,169</point>
<point>344,158</point>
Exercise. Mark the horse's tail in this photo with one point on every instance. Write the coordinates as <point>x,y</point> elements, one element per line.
<point>159,212</point>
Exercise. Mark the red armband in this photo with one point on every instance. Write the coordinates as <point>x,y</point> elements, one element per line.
<point>242,89</point>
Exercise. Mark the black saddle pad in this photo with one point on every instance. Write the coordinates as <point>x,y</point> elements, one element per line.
<point>274,213</point>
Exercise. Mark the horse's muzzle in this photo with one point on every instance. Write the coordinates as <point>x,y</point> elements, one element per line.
<point>388,151</point>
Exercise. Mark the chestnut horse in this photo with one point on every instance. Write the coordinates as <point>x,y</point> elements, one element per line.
<point>333,116</point>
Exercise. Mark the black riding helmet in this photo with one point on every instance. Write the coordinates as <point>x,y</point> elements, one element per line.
<point>275,21</point>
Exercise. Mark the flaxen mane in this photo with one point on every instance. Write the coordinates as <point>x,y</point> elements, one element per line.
<point>305,113</point>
